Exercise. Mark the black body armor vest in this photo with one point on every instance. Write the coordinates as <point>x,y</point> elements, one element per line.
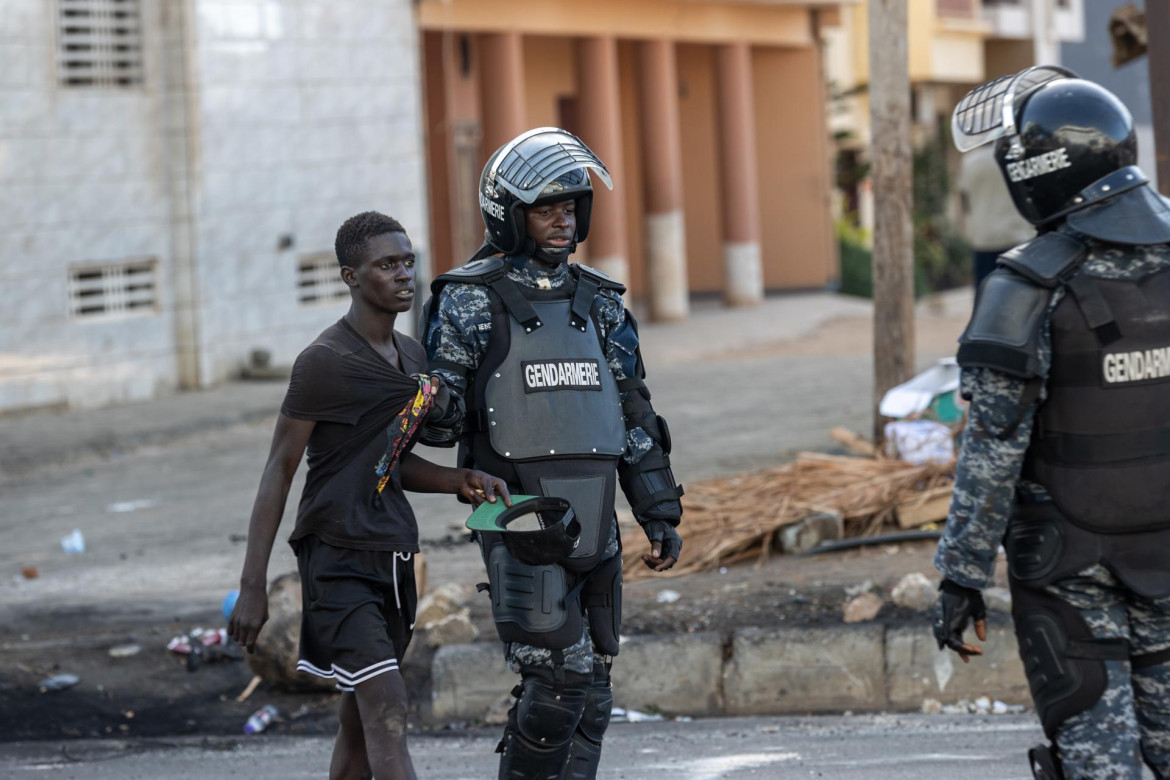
<point>544,412</point>
<point>1101,444</point>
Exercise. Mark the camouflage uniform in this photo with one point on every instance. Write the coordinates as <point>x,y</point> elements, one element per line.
<point>458,332</point>
<point>1135,709</point>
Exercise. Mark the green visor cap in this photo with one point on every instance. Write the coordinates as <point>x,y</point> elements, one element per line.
<point>537,530</point>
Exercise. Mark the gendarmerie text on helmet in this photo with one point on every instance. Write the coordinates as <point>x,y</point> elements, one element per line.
<point>1039,165</point>
<point>491,208</point>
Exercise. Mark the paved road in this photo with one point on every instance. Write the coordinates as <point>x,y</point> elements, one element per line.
<point>873,747</point>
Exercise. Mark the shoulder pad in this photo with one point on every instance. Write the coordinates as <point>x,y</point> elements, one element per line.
<point>604,281</point>
<point>1004,331</point>
<point>1046,260</point>
<point>475,272</point>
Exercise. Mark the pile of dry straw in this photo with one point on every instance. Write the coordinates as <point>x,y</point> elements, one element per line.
<point>735,518</point>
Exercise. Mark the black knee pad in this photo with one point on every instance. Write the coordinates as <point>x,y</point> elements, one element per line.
<point>598,706</point>
<point>1064,665</point>
<point>548,714</point>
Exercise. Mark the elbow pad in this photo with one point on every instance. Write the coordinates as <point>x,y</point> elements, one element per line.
<point>649,484</point>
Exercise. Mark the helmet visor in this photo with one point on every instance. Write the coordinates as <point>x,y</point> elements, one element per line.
<point>532,160</point>
<point>987,112</point>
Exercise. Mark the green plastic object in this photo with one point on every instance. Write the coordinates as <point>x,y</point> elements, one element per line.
<point>946,409</point>
<point>487,515</point>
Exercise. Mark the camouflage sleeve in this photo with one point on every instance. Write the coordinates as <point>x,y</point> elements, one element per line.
<point>457,332</point>
<point>621,352</point>
<point>985,478</point>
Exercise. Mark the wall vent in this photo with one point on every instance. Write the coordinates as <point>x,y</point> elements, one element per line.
<point>113,290</point>
<point>99,43</point>
<point>319,279</point>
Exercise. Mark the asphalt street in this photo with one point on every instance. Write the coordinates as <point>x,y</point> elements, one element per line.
<point>870,747</point>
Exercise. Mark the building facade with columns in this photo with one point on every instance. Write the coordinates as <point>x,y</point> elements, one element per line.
<point>710,114</point>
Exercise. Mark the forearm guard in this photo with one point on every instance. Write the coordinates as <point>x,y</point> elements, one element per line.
<point>649,484</point>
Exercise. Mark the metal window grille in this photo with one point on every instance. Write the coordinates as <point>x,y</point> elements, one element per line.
<point>114,290</point>
<point>99,43</point>
<point>319,279</point>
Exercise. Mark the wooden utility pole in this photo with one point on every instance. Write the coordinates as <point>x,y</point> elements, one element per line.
<point>893,232</point>
<point>1158,59</point>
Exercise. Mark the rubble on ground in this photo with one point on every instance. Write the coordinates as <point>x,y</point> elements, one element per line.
<point>915,591</point>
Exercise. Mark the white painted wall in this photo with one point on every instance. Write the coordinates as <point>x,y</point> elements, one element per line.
<point>259,119</point>
<point>309,113</point>
<point>81,180</point>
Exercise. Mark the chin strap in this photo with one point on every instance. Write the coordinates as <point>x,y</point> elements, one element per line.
<point>547,254</point>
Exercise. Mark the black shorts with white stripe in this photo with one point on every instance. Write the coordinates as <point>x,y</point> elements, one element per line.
<point>358,611</point>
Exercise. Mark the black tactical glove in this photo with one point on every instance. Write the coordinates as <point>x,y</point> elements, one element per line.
<point>671,544</point>
<point>957,605</point>
<point>443,425</point>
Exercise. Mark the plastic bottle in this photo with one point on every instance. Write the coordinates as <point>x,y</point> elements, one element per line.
<point>261,719</point>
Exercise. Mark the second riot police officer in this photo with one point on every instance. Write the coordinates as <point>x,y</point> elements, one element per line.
<point>1066,454</point>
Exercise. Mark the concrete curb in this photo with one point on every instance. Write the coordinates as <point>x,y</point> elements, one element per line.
<point>759,671</point>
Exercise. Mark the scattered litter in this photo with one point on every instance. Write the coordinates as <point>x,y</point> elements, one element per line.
<point>124,651</point>
<point>667,596</point>
<point>58,682</point>
<point>622,715</point>
<point>999,708</point>
<point>683,719</point>
<point>229,603</point>
<point>29,572</point>
<point>131,506</point>
<point>255,681</point>
<point>722,569</point>
<point>73,543</point>
<point>931,707</point>
<point>261,719</point>
<point>920,442</point>
<point>934,386</point>
<point>202,647</point>
<point>982,705</point>
<point>864,607</point>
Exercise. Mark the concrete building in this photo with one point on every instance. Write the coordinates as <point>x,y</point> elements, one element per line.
<point>172,174</point>
<point>710,114</point>
<point>954,45</point>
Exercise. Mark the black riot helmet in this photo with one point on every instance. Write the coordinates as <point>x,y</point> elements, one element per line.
<point>1066,147</point>
<point>543,165</point>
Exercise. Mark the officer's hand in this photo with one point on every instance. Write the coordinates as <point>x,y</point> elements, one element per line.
<point>956,605</point>
<point>479,486</point>
<point>248,616</point>
<point>665,545</point>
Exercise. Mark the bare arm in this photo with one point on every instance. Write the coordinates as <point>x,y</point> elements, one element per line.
<point>288,446</point>
<point>421,476</point>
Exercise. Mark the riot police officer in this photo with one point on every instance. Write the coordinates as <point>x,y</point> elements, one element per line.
<point>544,358</point>
<point>1066,454</point>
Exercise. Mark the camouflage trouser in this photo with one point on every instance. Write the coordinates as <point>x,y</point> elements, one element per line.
<point>1132,718</point>
<point>579,657</point>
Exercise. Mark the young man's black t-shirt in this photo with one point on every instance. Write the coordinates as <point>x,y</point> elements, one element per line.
<point>352,393</point>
